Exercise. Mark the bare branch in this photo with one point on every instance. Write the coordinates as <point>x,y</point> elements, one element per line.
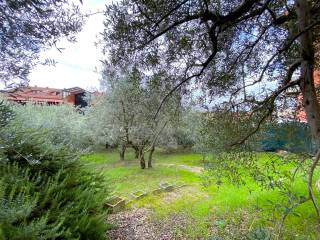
<point>156,136</point>
<point>251,47</point>
<point>94,13</point>
<point>207,15</point>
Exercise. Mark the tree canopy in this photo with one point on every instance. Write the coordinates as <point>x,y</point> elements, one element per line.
<point>124,115</point>
<point>26,27</point>
<point>249,53</point>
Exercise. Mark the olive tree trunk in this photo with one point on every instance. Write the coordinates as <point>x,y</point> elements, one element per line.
<point>150,156</point>
<point>122,150</point>
<point>136,151</point>
<point>141,158</point>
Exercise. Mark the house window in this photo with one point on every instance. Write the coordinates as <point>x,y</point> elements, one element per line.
<point>65,94</point>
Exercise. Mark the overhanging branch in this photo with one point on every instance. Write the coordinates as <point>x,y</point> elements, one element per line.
<point>204,66</point>
<point>268,101</point>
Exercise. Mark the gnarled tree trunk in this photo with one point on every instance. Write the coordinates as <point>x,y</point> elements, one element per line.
<point>122,150</point>
<point>310,101</point>
<point>141,158</point>
<point>150,156</point>
<point>136,151</point>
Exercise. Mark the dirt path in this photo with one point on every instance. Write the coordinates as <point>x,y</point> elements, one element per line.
<point>193,169</point>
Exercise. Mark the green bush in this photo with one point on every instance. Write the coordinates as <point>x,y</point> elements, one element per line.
<point>37,206</point>
<point>45,193</point>
<point>65,124</point>
<point>259,234</point>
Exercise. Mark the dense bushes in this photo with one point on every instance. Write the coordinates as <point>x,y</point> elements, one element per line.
<point>36,206</point>
<point>64,123</point>
<point>211,133</point>
<point>45,193</point>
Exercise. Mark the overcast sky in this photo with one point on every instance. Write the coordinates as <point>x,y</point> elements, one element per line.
<point>77,62</point>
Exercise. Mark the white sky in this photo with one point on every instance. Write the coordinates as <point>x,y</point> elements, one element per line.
<point>77,63</point>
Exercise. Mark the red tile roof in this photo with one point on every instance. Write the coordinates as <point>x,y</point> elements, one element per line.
<point>39,94</point>
<point>36,94</point>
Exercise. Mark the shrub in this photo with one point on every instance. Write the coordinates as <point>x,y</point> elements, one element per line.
<point>45,193</point>
<point>64,206</point>
<point>64,124</point>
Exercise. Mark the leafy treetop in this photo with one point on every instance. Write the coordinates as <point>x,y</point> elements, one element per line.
<point>26,27</point>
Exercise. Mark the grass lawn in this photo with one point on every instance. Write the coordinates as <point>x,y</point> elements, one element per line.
<point>204,211</point>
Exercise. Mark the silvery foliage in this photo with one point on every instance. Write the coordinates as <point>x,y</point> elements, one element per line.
<point>63,124</point>
<point>215,132</point>
<point>194,127</point>
<point>125,113</point>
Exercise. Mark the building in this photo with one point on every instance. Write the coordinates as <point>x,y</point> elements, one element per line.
<point>300,113</point>
<point>74,96</point>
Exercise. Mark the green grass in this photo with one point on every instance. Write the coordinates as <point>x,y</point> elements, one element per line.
<point>186,158</point>
<point>207,210</point>
<point>127,176</point>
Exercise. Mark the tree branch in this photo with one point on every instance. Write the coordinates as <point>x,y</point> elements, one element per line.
<point>286,47</point>
<point>301,201</point>
<point>291,70</point>
<point>254,13</point>
<point>172,26</point>
<point>310,182</point>
<point>170,12</point>
<point>204,66</point>
<point>243,8</point>
<point>271,98</point>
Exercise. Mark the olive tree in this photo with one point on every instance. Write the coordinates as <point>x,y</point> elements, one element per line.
<point>124,114</point>
<point>249,53</point>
